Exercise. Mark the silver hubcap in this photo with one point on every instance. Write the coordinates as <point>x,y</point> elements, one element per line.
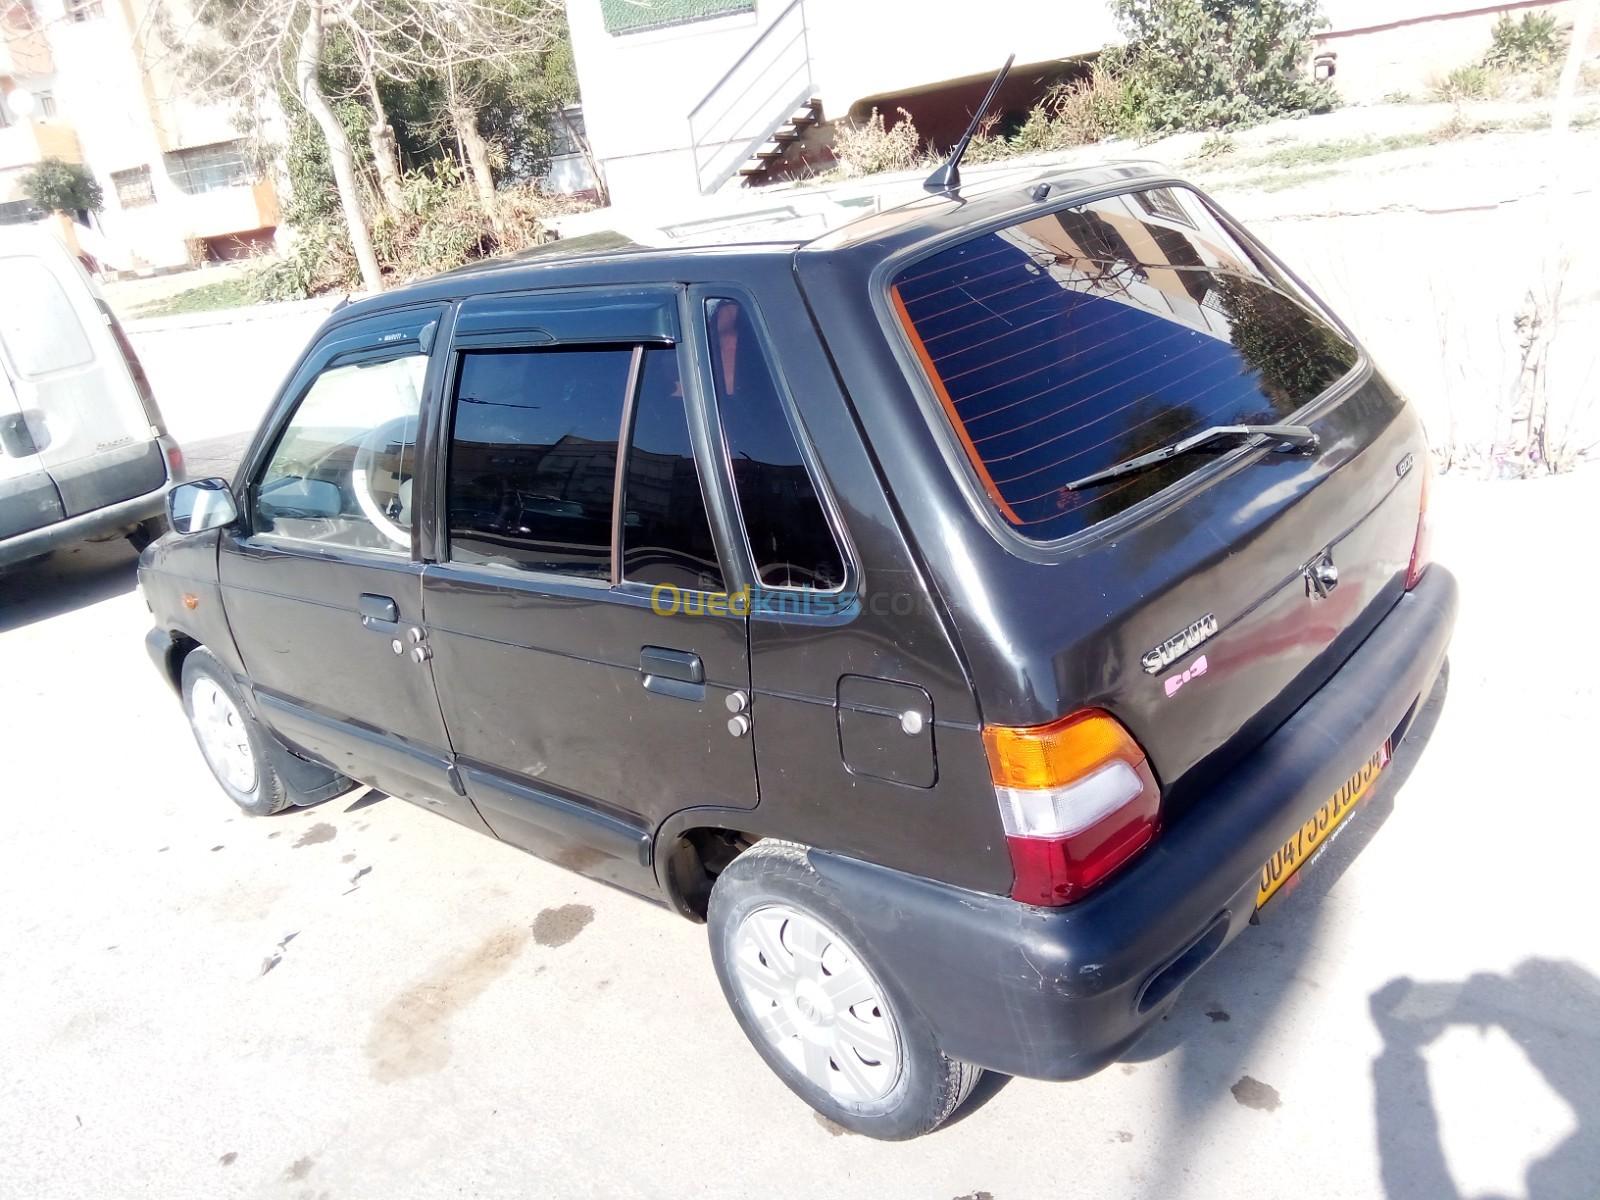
<point>222,735</point>
<point>816,1003</point>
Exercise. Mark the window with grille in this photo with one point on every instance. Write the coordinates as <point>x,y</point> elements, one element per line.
<point>208,168</point>
<point>133,187</point>
<point>85,10</point>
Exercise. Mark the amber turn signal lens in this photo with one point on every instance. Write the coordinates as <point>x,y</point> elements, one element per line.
<point>1044,756</point>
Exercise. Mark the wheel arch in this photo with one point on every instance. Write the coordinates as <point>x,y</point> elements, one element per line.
<point>693,847</point>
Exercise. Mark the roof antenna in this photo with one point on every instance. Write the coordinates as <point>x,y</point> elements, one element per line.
<point>948,177</point>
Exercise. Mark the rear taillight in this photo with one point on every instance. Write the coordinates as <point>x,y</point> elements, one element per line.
<point>1077,800</point>
<point>1421,545</point>
<point>174,461</point>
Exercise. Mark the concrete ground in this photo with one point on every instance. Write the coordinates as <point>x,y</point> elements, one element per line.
<point>362,1000</point>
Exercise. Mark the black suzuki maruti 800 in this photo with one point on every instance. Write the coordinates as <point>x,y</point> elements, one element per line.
<point>975,614</point>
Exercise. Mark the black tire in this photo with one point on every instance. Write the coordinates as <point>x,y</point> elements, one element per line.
<point>929,1086</point>
<point>281,779</point>
<point>145,532</point>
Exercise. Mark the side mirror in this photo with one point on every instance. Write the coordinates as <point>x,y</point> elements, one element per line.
<point>201,505</point>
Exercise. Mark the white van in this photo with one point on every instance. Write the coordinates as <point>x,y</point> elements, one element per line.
<point>84,453</point>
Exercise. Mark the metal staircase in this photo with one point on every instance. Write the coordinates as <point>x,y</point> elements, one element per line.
<point>763,105</point>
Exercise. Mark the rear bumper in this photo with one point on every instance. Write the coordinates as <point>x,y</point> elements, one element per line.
<point>86,525</point>
<point>1060,993</point>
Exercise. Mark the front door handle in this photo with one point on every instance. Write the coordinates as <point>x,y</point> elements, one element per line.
<point>378,613</point>
<point>672,672</point>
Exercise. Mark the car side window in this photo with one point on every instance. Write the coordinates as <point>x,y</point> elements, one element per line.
<point>342,472</point>
<point>666,536</point>
<point>533,458</point>
<point>789,535</point>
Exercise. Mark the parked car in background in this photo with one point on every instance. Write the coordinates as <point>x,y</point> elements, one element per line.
<point>84,453</point>
<point>977,615</point>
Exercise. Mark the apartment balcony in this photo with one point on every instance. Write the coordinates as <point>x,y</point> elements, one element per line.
<point>27,142</point>
<point>23,47</point>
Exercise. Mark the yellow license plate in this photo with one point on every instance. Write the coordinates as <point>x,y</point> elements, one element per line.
<point>1295,852</point>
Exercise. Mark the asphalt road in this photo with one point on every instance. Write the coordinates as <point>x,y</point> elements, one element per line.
<point>362,1000</point>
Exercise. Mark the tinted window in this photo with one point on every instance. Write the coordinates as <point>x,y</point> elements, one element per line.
<point>665,535</point>
<point>533,458</point>
<point>1084,337</point>
<point>342,471</point>
<point>789,536</point>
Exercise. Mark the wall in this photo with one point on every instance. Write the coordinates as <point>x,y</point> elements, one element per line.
<point>639,88</point>
<point>1405,45</point>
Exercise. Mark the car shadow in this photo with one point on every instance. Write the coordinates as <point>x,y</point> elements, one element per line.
<point>71,578</point>
<point>1550,1009</point>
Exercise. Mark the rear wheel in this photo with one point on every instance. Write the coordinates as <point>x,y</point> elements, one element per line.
<point>244,757</point>
<point>147,531</point>
<point>799,977</point>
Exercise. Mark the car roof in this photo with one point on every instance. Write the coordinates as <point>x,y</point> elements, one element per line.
<point>923,218</point>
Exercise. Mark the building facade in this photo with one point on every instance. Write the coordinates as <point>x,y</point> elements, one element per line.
<point>81,81</point>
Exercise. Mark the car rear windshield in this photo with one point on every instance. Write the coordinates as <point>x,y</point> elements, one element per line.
<point>1077,339</point>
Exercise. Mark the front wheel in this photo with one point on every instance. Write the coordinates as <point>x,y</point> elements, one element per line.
<point>798,975</point>
<point>248,762</point>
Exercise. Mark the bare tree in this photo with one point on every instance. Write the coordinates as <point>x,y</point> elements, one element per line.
<point>380,134</point>
<point>248,49</point>
<point>308,59</point>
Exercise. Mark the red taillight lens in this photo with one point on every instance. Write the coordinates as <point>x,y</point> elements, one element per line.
<point>174,461</point>
<point>1422,545</point>
<point>1077,800</point>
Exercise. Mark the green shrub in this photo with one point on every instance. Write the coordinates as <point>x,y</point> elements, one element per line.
<point>1470,82</point>
<point>64,187</point>
<point>1203,64</point>
<point>318,260</point>
<point>1533,43</point>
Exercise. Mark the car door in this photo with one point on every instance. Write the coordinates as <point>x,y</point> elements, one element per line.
<point>592,667</point>
<point>320,581</point>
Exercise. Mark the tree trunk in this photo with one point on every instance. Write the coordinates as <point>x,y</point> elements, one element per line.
<point>307,60</point>
<point>477,152</point>
<point>1577,49</point>
<point>380,134</point>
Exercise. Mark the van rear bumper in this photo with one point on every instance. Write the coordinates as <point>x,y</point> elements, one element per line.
<point>84,526</point>
<point>1058,993</point>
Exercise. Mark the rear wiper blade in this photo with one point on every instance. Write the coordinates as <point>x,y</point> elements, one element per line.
<point>1293,437</point>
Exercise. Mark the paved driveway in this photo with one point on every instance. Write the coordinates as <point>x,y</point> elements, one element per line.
<point>361,1000</point>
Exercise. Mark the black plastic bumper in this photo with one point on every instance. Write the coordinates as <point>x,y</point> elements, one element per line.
<point>95,523</point>
<point>1060,993</point>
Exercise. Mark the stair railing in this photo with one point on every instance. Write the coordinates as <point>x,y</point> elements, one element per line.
<point>752,100</point>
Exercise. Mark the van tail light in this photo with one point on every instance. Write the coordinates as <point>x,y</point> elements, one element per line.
<point>1077,799</point>
<point>174,461</point>
<point>130,359</point>
<point>1422,545</point>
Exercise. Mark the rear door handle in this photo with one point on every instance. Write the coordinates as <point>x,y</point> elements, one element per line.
<point>672,672</point>
<point>379,613</point>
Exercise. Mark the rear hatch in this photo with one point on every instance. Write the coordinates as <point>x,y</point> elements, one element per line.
<point>83,400</point>
<point>1200,601</point>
